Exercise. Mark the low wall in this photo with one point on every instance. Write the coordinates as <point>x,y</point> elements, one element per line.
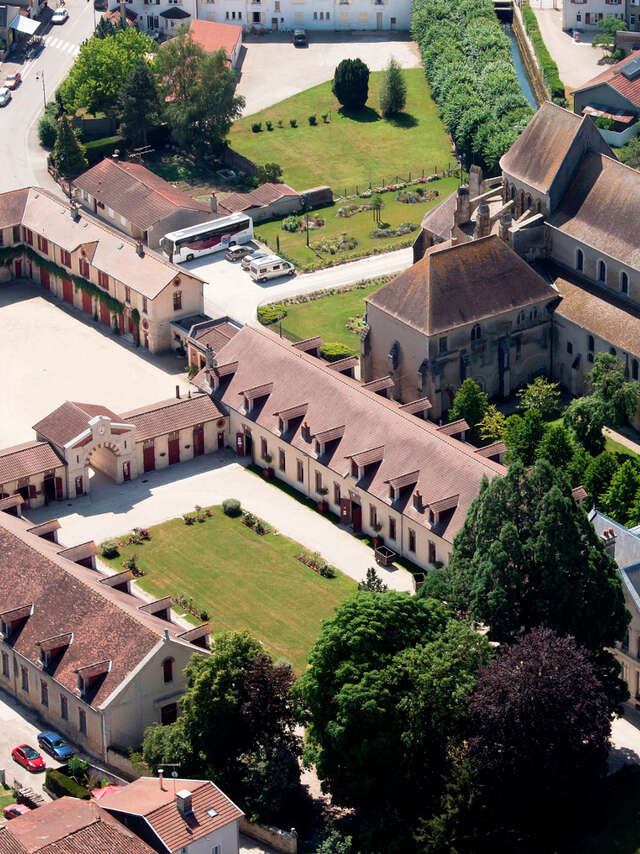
<point>540,91</point>
<point>239,162</point>
<point>278,839</point>
<point>122,763</point>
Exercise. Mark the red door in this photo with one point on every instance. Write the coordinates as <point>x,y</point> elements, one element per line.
<point>45,281</point>
<point>67,291</point>
<point>240,444</point>
<point>121,324</point>
<point>174,451</point>
<point>345,510</point>
<point>220,440</point>
<point>198,441</point>
<point>87,302</point>
<point>356,517</point>
<point>149,458</point>
<point>18,267</point>
<point>587,18</point>
<point>79,489</point>
<point>105,314</point>
<point>126,471</point>
<point>59,493</point>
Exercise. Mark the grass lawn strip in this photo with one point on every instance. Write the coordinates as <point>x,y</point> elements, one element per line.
<point>348,149</point>
<point>243,581</point>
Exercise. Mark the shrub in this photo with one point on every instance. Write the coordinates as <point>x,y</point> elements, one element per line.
<point>109,549</point>
<point>47,132</point>
<point>293,123</point>
<point>604,122</point>
<point>313,120</point>
<point>351,83</point>
<point>269,125</point>
<point>97,149</point>
<point>547,65</point>
<point>256,127</point>
<point>291,223</point>
<point>280,123</point>
<point>325,117</point>
<point>231,507</point>
<point>271,313</point>
<point>61,785</point>
<point>332,351</point>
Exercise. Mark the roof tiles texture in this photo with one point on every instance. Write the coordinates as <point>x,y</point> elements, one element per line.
<point>264,195</point>
<point>215,335</point>
<point>69,420</point>
<point>446,466</point>
<point>133,191</point>
<point>461,284</point>
<point>12,206</point>
<point>161,418</point>
<point>615,78</point>
<point>212,35</point>
<point>27,459</point>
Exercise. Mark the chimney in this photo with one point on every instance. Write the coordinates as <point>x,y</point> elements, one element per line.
<point>476,181</point>
<point>161,777</point>
<point>209,356</point>
<point>463,206</point>
<point>483,221</point>
<point>178,392</point>
<point>183,802</point>
<point>213,202</point>
<point>505,224</point>
<point>116,155</point>
<point>140,249</point>
<point>609,542</point>
<point>417,500</point>
<point>75,211</point>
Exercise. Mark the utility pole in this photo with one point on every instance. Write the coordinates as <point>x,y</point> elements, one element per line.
<point>40,76</point>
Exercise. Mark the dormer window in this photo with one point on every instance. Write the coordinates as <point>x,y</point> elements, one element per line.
<point>355,471</point>
<point>476,332</point>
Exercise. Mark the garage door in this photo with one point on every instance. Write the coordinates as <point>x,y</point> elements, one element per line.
<point>105,314</point>
<point>149,456</point>
<point>67,291</point>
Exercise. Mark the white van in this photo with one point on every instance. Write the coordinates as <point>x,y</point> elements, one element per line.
<point>270,267</point>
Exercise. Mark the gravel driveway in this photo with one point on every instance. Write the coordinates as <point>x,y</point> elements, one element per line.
<point>273,69</point>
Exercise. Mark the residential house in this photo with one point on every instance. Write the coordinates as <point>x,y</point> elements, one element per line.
<point>175,815</point>
<point>614,94</point>
<point>587,14</point>
<point>34,471</point>
<point>81,649</point>
<point>137,201</point>
<point>85,262</point>
<point>212,36</point>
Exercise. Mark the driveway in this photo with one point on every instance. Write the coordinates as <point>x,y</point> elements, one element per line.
<point>229,290</point>
<point>50,353</point>
<point>113,509</point>
<point>577,61</point>
<point>273,69</point>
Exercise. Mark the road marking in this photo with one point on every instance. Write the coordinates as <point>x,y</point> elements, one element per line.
<point>28,69</point>
<point>62,45</point>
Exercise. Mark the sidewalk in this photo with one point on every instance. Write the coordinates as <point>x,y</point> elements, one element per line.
<point>113,509</point>
<point>623,439</point>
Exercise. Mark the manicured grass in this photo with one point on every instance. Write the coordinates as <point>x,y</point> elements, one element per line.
<point>327,317</point>
<point>242,580</point>
<point>7,797</point>
<point>294,245</point>
<point>349,149</point>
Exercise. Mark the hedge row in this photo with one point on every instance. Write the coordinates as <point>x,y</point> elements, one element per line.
<point>549,68</point>
<point>468,64</point>
<point>61,785</point>
<point>96,149</point>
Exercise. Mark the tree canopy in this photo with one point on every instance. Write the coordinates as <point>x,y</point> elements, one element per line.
<point>541,395</point>
<point>619,397</point>
<point>138,104</point>
<point>68,152</point>
<point>351,83</point>
<point>470,403</point>
<point>522,434</point>
<point>393,95</point>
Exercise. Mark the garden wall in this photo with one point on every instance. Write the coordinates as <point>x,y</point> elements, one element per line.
<point>278,839</point>
<point>529,59</point>
<point>238,162</point>
<point>317,196</point>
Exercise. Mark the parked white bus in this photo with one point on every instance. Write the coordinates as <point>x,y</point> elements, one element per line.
<point>189,243</point>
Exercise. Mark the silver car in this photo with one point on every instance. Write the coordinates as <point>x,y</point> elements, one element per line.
<point>254,256</point>
<point>5,96</point>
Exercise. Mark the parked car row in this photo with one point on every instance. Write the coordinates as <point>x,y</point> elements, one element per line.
<point>51,743</point>
<point>260,264</point>
<point>9,84</point>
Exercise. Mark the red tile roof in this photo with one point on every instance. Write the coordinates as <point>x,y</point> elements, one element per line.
<point>446,465</point>
<point>159,419</point>
<point>69,420</point>
<point>135,192</point>
<point>264,195</point>
<point>27,459</point>
<point>613,75</point>
<point>452,286</point>
<point>145,797</point>
<point>69,826</point>
<point>211,36</point>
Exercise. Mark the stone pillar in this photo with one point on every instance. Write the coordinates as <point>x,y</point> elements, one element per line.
<point>505,224</point>
<point>463,206</point>
<point>483,221</point>
<point>476,181</point>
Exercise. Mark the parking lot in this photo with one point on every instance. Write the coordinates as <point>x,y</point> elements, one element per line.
<point>273,69</point>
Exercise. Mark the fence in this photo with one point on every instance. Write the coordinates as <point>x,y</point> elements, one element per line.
<point>391,180</point>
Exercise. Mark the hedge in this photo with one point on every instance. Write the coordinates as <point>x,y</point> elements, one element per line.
<point>271,313</point>
<point>333,351</point>
<point>59,784</point>
<point>99,148</point>
<point>468,65</point>
<point>549,68</point>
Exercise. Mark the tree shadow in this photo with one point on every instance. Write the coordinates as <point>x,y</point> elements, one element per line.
<point>403,120</point>
<point>366,114</point>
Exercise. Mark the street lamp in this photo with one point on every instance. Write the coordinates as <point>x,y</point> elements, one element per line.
<point>40,76</point>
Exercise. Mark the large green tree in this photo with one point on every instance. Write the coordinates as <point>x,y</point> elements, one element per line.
<point>528,556</point>
<point>585,417</point>
<point>393,94</point>
<point>138,104</point>
<point>68,152</point>
<point>556,446</point>
<point>351,84</point>
<point>541,395</point>
<point>619,499</point>
<point>470,403</point>
<point>598,475</point>
<point>606,38</point>
<point>522,434</point>
<point>608,384</point>
<point>101,69</point>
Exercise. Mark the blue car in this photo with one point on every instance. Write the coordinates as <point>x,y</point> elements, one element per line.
<point>55,746</point>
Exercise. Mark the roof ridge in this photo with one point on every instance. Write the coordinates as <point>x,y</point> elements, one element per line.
<point>153,189</point>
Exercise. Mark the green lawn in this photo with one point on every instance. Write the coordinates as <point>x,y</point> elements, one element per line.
<point>327,317</point>
<point>243,580</point>
<point>7,796</point>
<point>348,149</point>
<point>359,226</point>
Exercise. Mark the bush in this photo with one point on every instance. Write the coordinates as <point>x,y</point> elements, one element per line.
<point>256,127</point>
<point>333,351</point>
<point>351,83</point>
<point>61,785</point>
<point>230,507</point>
<point>313,120</point>
<point>97,149</point>
<point>293,123</point>
<point>269,124</point>
<point>271,313</point>
<point>280,123</point>
<point>325,117</point>
<point>604,122</point>
<point>548,66</point>
<point>291,223</point>
<point>47,132</point>
<point>109,549</point>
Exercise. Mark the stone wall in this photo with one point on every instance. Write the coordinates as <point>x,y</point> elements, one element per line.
<point>278,839</point>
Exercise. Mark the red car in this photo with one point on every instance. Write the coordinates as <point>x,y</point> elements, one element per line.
<point>14,810</point>
<point>28,757</point>
<point>12,81</point>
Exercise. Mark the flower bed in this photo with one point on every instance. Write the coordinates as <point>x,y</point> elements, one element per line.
<point>417,196</point>
<point>332,246</point>
<point>187,604</point>
<point>403,228</point>
<point>130,563</point>
<point>351,210</point>
<point>256,524</point>
<point>137,536</point>
<point>198,515</point>
<point>356,324</point>
<point>317,563</point>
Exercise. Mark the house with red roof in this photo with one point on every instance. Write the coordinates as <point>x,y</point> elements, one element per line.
<point>613,95</point>
<point>213,35</point>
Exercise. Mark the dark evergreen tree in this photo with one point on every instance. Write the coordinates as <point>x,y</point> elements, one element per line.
<point>393,95</point>
<point>351,84</point>
<point>138,104</point>
<point>68,154</point>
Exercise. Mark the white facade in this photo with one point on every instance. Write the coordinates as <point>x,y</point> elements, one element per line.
<point>150,14</point>
<point>310,14</point>
<point>585,14</point>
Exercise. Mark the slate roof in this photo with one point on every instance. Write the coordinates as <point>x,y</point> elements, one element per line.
<point>600,208</point>
<point>69,420</point>
<point>454,285</point>
<point>447,466</point>
<point>69,826</point>
<point>145,797</point>
<point>264,195</point>
<point>27,459</point>
<point>161,418</point>
<point>613,75</point>
<point>134,192</point>
<point>212,35</point>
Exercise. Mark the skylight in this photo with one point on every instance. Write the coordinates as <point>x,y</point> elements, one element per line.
<point>211,812</point>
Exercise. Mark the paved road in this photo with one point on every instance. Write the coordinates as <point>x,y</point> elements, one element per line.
<point>231,291</point>
<point>577,61</point>
<point>23,161</point>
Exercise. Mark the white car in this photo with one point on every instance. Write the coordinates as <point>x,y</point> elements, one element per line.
<point>59,16</point>
<point>5,96</point>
